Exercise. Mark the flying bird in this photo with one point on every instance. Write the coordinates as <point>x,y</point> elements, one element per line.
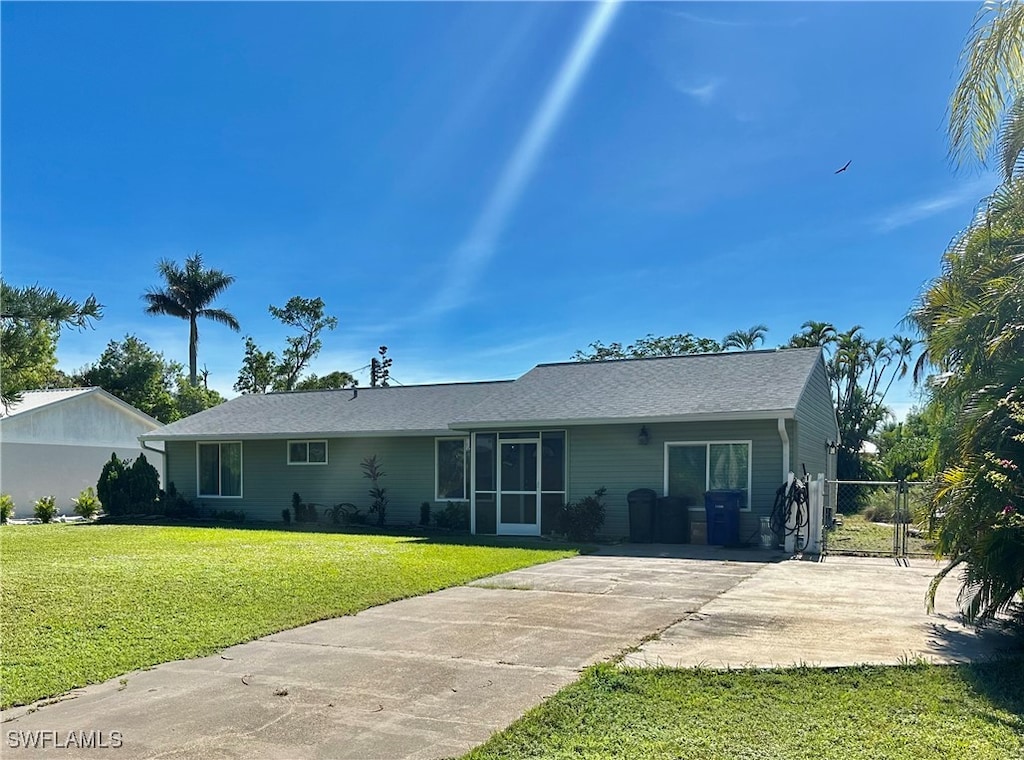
<point>845,167</point>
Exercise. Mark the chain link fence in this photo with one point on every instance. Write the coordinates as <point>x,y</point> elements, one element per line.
<point>878,518</point>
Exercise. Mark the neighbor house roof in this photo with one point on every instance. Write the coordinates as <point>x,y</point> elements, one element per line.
<point>32,401</point>
<point>396,410</point>
<point>747,385</point>
<point>739,385</point>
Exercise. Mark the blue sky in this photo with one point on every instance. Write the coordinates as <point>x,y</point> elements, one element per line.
<point>482,186</point>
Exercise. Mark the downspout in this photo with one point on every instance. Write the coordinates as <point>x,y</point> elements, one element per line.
<point>785,449</point>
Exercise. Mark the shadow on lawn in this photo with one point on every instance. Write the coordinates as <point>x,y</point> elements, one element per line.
<point>999,681</point>
<point>415,533</point>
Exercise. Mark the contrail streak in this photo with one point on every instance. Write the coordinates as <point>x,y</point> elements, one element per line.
<point>478,246</point>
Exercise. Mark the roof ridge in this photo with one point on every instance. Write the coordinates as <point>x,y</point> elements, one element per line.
<point>362,388</point>
<point>780,349</point>
<point>61,390</point>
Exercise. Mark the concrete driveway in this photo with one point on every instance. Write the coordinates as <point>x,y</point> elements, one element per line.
<point>435,675</point>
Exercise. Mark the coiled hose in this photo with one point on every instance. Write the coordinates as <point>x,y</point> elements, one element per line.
<point>788,495</point>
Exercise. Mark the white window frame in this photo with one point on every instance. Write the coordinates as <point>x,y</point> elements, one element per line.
<point>307,441</point>
<point>466,480</point>
<point>707,467</point>
<point>241,468</point>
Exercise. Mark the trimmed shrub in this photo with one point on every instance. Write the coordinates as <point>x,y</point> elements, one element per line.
<point>425,513</point>
<point>46,508</point>
<point>6,508</point>
<point>87,505</point>
<point>173,504</point>
<point>143,486</point>
<point>286,516</point>
<point>112,488</point>
<point>455,516</point>
<point>582,520</point>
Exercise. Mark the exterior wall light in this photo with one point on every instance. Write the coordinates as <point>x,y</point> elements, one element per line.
<point>643,438</point>
<point>832,447</point>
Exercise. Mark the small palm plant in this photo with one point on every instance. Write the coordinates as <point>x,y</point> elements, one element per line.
<point>373,472</point>
<point>87,504</point>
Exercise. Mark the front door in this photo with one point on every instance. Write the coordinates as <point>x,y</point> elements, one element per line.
<point>519,487</point>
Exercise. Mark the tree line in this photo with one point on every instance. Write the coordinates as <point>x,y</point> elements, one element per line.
<point>32,318</point>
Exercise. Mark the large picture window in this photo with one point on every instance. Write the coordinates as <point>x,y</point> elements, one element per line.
<point>220,469</point>
<point>451,475</point>
<point>307,452</point>
<point>693,468</point>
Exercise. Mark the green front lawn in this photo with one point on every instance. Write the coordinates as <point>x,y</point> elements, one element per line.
<point>918,712</point>
<point>83,603</point>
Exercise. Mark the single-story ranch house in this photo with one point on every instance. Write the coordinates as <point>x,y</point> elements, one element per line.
<point>517,450</point>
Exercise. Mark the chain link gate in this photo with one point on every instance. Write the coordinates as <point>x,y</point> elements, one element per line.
<point>873,518</point>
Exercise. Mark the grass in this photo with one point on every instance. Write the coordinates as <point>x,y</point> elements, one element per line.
<point>83,603</point>
<point>859,536</point>
<point>916,712</point>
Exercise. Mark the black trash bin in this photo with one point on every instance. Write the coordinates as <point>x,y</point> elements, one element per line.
<point>671,520</point>
<point>641,515</point>
<point>723,514</point>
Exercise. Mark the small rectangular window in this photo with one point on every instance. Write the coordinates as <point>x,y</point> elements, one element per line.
<point>307,452</point>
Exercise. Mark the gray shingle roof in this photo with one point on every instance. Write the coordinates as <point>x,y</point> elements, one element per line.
<point>730,385</point>
<point>753,383</point>
<point>397,410</point>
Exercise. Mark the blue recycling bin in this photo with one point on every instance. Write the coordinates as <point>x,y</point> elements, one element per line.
<point>723,515</point>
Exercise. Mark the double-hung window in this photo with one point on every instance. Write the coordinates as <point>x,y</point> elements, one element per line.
<point>691,469</point>
<point>220,469</point>
<point>307,452</point>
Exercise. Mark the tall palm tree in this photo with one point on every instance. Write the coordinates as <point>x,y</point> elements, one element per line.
<point>986,101</point>
<point>745,340</point>
<point>187,295</point>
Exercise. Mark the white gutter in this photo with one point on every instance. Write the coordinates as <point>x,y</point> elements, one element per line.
<point>785,448</point>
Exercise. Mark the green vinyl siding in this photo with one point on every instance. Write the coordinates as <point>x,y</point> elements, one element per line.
<point>815,425</point>
<point>268,481</point>
<point>610,456</point>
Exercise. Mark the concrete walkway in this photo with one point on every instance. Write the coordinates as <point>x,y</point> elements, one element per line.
<point>435,675</point>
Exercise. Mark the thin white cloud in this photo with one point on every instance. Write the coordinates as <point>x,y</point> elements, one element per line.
<point>479,245</point>
<point>703,93</point>
<point>925,208</point>
<point>735,23</point>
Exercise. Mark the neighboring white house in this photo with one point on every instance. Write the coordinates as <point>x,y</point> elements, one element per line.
<point>54,442</point>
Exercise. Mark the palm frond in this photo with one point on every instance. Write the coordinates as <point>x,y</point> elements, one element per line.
<point>220,316</point>
<point>992,68</point>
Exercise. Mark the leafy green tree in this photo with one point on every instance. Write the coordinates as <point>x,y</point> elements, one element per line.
<point>906,448</point>
<point>257,372</point>
<point>649,346</point>
<point>136,374</point>
<point>31,319</point>
<point>330,381</point>
<point>307,315</point>
<point>745,340</point>
<point>263,370</point>
<point>192,399</point>
<point>187,294</point>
